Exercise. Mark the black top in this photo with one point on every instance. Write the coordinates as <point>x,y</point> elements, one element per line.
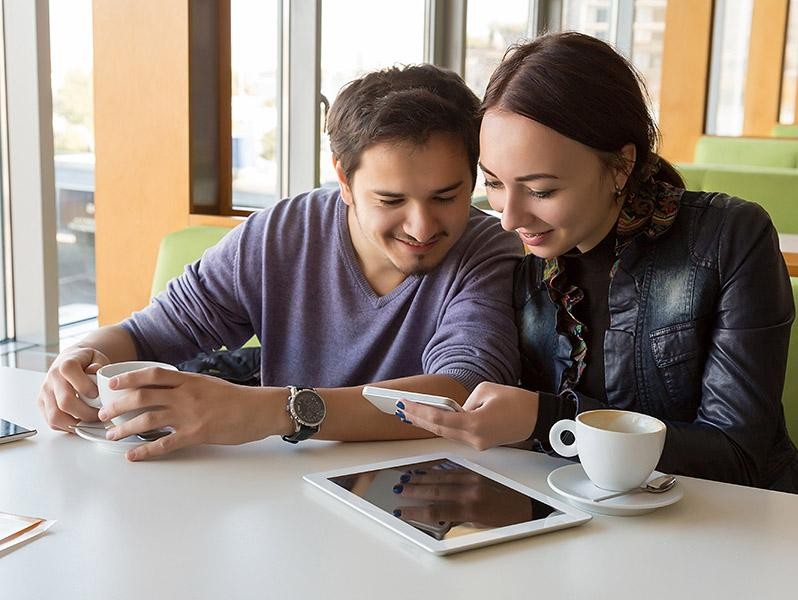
<point>590,272</point>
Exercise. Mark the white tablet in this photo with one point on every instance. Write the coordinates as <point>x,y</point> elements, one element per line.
<point>445,503</point>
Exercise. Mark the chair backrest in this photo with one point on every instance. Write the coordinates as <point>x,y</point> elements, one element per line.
<point>782,130</point>
<point>181,248</point>
<point>790,396</point>
<point>755,152</point>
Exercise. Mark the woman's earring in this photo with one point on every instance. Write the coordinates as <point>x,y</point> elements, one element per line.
<point>618,191</point>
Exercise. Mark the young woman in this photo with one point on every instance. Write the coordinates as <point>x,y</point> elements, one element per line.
<point>636,294</point>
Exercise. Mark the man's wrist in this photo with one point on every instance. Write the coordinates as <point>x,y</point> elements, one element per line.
<point>272,418</point>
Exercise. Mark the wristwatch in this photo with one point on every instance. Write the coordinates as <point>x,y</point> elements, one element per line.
<point>307,410</point>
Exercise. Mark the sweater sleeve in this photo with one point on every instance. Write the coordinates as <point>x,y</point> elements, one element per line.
<point>201,310</point>
<point>476,339</point>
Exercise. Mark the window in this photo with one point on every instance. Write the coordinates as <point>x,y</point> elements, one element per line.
<point>355,40</point>
<point>648,33</point>
<point>254,80</point>
<point>730,38</point>
<point>73,141</point>
<point>490,29</point>
<point>789,82</point>
<point>593,17</point>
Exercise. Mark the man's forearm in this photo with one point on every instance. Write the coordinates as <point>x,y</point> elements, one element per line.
<point>113,341</point>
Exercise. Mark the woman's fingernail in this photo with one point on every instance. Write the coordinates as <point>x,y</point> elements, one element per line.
<point>102,414</point>
<point>400,405</point>
<point>113,383</point>
<point>110,434</point>
<point>397,512</point>
<point>404,478</point>
<point>397,489</point>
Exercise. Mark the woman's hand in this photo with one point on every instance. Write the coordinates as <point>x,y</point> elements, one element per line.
<point>495,415</point>
<point>199,409</point>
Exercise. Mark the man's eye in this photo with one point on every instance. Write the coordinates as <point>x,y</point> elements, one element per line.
<point>392,202</point>
<point>445,198</point>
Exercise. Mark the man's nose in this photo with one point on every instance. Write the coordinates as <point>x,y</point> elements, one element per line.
<point>421,223</point>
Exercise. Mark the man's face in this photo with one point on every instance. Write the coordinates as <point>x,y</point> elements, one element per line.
<point>408,205</point>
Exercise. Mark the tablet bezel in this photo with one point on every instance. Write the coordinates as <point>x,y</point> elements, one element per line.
<point>570,516</point>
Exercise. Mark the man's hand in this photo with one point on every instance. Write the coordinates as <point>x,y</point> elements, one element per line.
<point>58,397</point>
<point>495,415</point>
<point>199,409</point>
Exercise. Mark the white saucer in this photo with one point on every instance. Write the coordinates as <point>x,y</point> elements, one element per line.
<point>571,482</point>
<point>98,436</point>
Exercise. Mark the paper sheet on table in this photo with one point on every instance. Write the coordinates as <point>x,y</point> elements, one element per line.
<point>15,529</point>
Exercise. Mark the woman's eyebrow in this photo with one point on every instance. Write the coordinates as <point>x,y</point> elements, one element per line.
<point>530,177</point>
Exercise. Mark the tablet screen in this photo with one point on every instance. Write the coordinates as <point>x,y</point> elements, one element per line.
<point>443,498</point>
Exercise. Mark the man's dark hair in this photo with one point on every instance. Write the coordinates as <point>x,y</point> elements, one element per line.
<point>402,104</point>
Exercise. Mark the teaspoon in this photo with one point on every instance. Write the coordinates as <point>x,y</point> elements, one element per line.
<point>656,486</point>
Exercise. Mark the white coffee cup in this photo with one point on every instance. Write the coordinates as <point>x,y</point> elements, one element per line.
<point>618,449</point>
<point>103,377</point>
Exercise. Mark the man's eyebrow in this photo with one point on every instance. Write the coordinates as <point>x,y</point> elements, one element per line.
<point>442,190</point>
<point>530,177</point>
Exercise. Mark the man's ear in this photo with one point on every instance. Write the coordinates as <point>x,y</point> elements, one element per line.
<point>628,156</point>
<point>343,182</point>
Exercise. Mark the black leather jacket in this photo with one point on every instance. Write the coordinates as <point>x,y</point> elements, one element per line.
<point>699,327</point>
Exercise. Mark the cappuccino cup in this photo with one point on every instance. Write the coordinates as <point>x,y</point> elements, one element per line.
<point>618,449</point>
<point>105,394</point>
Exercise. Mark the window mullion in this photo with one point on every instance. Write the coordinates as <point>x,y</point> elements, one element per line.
<point>300,95</point>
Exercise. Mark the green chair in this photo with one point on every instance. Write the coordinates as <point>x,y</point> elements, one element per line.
<point>785,130</point>
<point>754,152</point>
<point>181,248</point>
<point>790,396</point>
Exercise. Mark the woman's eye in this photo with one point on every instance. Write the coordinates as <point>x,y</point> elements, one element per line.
<point>543,194</point>
<point>493,185</point>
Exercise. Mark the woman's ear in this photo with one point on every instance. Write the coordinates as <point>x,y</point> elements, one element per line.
<point>628,157</point>
<point>343,182</point>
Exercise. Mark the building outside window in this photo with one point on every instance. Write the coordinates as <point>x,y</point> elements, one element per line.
<point>73,137</point>
<point>789,81</point>
<point>593,17</point>
<point>730,40</point>
<point>648,33</point>
<point>254,51</point>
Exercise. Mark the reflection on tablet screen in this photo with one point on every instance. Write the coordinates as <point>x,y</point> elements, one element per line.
<point>443,498</point>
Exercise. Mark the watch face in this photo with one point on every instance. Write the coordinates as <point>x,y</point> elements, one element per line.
<point>309,408</point>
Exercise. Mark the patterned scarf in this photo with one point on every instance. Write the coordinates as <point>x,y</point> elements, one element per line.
<point>649,211</point>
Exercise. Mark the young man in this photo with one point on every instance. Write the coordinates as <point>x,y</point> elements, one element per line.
<point>395,280</point>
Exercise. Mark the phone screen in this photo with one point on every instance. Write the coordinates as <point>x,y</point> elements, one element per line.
<point>443,498</point>
<point>9,429</point>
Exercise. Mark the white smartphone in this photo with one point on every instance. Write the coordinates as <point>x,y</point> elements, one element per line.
<point>385,399</point>
<point>11,432</point>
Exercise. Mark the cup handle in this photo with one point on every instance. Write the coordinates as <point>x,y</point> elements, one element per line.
<point>93,402</point>
<point>567,450</point>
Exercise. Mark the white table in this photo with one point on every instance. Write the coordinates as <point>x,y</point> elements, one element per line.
<point>239,522</point>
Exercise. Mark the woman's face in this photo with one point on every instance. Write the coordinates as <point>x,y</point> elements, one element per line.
<point>554,192</point>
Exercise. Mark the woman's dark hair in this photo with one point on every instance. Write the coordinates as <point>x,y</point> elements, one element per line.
<point>581,88</point>
<point>402,104</point>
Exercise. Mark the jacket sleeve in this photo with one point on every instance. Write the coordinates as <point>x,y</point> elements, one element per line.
<point>740,412</point>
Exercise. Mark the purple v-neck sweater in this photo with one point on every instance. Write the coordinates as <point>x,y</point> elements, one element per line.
<point>291,276</point>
